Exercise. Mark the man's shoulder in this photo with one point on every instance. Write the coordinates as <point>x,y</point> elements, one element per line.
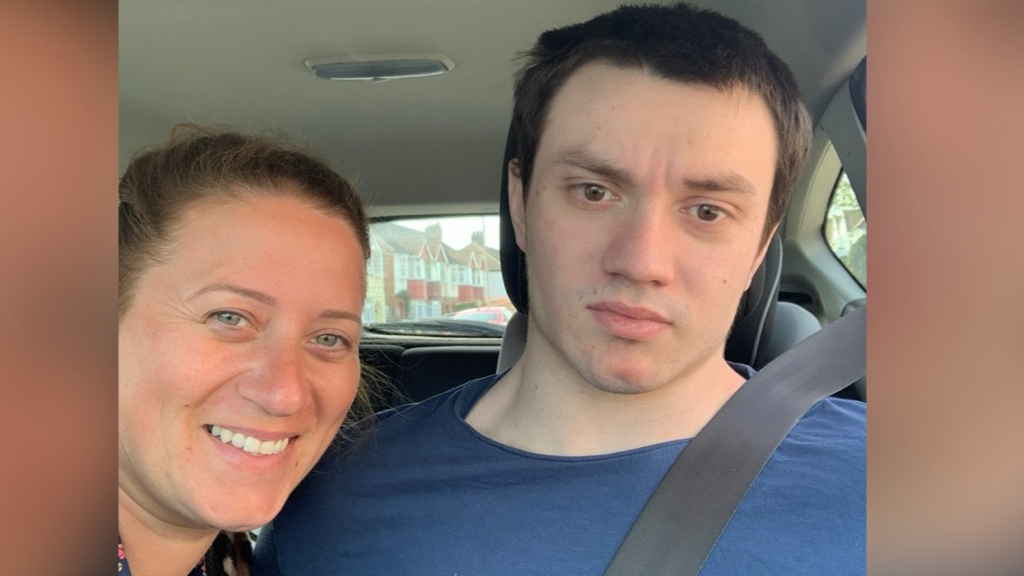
<point>835,420</point>
<point>833,434</point>
<point>808,505</point>
<point>404,430</point>
<point>447,405</point>
<point>837,414</point>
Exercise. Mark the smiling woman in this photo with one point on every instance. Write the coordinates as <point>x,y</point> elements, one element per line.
<point>242,279</point>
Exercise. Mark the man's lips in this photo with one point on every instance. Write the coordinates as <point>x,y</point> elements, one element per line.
<point>634,312</point>
<point>629,322</point>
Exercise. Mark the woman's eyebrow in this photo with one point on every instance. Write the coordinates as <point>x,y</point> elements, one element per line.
<point>332,314</point>
<point>244,292</point>
<point>329,314</point>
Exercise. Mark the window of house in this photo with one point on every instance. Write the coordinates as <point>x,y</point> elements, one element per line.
<point>416,267</point>
<point>368,316</point>
<point>376,264</point>
<point>846,230</point>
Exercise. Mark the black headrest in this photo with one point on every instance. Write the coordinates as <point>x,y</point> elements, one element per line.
<point>754,317</point>
<point>513,261</point>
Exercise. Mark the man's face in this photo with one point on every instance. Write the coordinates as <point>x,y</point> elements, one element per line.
<point>643,225</point>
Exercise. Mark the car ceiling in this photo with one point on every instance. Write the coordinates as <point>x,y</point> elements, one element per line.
<point>415,146</point>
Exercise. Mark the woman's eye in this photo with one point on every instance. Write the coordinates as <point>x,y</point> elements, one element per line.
<point>329,340</point>
<point>229,318</point>
<point>594,192</point>
<point>707,212</point>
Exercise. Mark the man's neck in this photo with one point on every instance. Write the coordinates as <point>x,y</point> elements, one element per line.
<point>157,548</point>
<point>544,406</point>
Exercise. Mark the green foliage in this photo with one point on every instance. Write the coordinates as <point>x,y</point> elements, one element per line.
<point>857,261</point>
<point>846,230</point>
<point>844,196</point>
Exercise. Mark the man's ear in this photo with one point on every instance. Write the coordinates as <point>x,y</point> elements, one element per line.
<point>517,203</point>
<point>760,255</point>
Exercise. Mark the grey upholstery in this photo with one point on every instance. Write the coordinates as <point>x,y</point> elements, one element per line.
<point>793,323</point>
<point>513,342</point>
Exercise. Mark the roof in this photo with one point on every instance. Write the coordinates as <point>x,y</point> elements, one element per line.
<point>396,239</point>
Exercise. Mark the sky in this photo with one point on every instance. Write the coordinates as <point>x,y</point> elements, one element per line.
<point>456,230</point>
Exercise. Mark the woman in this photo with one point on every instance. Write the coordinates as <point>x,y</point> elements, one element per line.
<point>241,281</point>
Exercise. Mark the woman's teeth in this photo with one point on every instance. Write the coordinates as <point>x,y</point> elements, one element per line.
<point>248,443</point>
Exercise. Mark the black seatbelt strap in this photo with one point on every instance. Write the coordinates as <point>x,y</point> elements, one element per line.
<point>690,508</point>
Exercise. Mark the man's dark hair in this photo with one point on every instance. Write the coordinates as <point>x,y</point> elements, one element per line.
<point>679,43</point>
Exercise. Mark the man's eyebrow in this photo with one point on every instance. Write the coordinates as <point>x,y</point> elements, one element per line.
<point>596,165</point>
<point>718,182</point>
<point>723,182</point>
<point>244,292</point>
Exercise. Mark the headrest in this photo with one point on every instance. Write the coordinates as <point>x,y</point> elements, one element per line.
<point>754,316</point>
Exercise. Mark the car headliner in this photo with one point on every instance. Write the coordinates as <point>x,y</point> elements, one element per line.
<point>416,146</point>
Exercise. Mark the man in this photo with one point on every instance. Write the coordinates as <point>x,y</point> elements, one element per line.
<point>657,147</point>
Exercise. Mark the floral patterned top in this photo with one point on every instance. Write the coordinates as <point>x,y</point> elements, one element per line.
<point>229,552</point>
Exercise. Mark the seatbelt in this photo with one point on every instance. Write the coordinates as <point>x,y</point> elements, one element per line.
<point>690,508</point>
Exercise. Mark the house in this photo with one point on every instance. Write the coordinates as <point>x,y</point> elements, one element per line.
<point>415,275</point>
<point>480,269</point>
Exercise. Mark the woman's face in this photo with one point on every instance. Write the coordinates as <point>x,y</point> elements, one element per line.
<point>247,332</point>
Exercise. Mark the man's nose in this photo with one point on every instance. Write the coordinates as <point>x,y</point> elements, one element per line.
<point>642,246</point>
<point>278,385</point>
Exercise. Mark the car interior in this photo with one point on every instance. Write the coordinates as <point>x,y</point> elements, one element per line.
<point>437,147</point>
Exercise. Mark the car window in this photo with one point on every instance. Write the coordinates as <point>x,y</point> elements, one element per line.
<point>846,230</point>
<point>443,272</point>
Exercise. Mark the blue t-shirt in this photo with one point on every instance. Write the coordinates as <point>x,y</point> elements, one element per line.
<point>425,494</point>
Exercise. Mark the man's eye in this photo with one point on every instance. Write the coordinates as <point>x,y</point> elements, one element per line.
<point>329,340</point>
<point>229,318</point>
<point>594,192</point>
<point>707,212</point>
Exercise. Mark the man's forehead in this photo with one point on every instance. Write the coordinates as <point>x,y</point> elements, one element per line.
<point>599,75</point>
<point>608,117</point>
<point>600,91</point>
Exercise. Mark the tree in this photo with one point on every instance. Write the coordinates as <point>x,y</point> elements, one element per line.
<point>857,261</point>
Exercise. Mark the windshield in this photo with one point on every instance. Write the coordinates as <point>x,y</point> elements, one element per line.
<point>441,269</point>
